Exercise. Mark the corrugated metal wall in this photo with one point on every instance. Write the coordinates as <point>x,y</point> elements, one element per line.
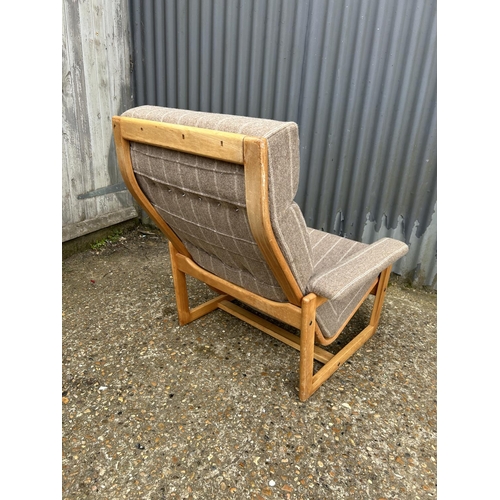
<point>359,78</point>
<point>96,84</point>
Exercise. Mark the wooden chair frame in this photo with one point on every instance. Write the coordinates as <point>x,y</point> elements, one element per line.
<point>300,310</point>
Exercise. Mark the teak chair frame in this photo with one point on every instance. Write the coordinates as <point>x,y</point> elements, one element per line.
<point>300,310</point>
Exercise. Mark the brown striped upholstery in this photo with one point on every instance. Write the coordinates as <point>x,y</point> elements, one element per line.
<point>343,272</point>
<point>203,201</point>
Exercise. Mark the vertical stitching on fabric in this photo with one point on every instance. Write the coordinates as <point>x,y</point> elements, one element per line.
<point>325,315</point>
<point>302,235</point>
<point>353,299</point>
<point>348,252</point>
<point>230,227</point>
<point>329,250</point>
<point>318,242</point>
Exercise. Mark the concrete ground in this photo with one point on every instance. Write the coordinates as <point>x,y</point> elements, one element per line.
<point>151,410</point>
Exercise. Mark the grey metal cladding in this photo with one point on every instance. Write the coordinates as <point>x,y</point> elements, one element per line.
<point>359,78</point>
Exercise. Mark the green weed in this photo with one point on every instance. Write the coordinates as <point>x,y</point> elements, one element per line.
<point>112,238</point>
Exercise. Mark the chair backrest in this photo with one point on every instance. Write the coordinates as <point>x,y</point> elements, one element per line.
<point>207,202</point>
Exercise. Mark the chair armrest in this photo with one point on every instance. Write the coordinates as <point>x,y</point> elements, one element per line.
<point>334,281</point>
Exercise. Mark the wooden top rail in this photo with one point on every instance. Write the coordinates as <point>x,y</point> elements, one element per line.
<point>214,144</point>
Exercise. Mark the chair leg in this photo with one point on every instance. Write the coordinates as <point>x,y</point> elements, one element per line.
<point>185,313</point>
<point>180,287</point>
<point>307,337</point>
<point>309,382</point>
<point>380,296</point>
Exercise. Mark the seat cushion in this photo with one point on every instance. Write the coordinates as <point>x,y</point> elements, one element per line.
<point>329,251</point>
<point>344,271</point>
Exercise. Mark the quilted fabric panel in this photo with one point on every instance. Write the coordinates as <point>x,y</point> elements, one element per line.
<point>203,200</point>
